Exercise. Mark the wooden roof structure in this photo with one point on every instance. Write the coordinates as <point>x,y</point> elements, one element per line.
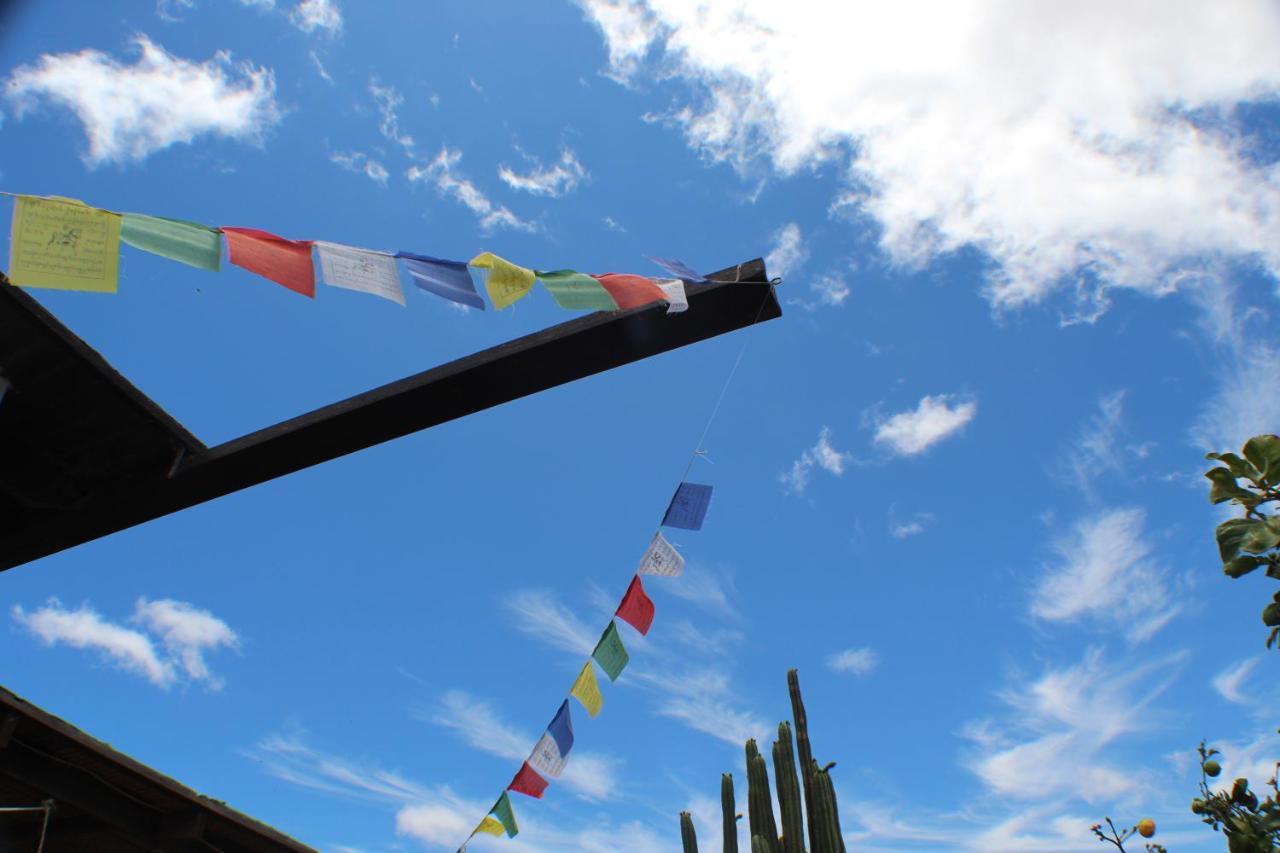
<point>84,453</point>
<point>103,801</point>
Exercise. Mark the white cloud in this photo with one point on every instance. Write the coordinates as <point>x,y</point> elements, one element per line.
<point>1104,571</point>
<point>831,290</point>
<point>592,776</point>
<point>388,101</point>
<point>187,633</point>
<point>705,588</point>
<point>788,252</point>
<point>320,69</point>
<point>1070,719</point>
<point>439,172</point>
<point>854,661</point>
<point>132,111</point>
<point>312,15</point>
<point>613,225</point>
<point>821,455</point>
<point>83,628</point>
<point>553,181</point>
<point>916,525</point>
<point>361,163</point>
<point>935,418</point>
<point>1094,451</point>
<point>1237,411</point>
<point>1076,156</point>
<point>1230,682</point>
<point>538,612</point>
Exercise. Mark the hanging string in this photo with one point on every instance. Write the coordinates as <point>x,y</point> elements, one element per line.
<point>698,452</point>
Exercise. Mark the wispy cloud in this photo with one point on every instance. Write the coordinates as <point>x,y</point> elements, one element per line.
<point>913,526</point>
<point>822,455</point>
<point>860,661</point>
<point>388,101</point>
<point>1070,719</point>
<point>1230,682</point>
<point>554,181</point>
<point>1104,571</point>
<point>132,111</point>
<point>788,252</point>
<point>613,225</point>
<point>185,633</point>
<point>592,776</point>
<point>322,16</point>
<point>540,613</point>
<point>440,173</point>
<point>911,433</point>
<point>320,69</point>
<point>1094,451</point>
<point>361,164</point>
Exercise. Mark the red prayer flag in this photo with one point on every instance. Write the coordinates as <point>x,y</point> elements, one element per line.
<point>630,291</point>
<point>528,782</point>
<point>636,607</point>
<point>286,262</point>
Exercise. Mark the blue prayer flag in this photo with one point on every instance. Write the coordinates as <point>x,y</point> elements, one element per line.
<point>561,729</point>
<point>688,507</point>
<point>679,269</point>
<point>450,279</point>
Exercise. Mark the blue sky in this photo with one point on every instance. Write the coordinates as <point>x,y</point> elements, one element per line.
<point>1030,265</point>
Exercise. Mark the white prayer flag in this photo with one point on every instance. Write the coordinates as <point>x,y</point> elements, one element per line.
<point>546,757</point>
<point>360,269</point>
<point>661,558</point>
<point>676,299</point>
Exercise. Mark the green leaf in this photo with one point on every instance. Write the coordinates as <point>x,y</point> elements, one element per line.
<point>1230,534</point>
<point>1263,451</point>
<point>1225,487</point>
<point>1238,567</point>
<point>1237,466</point>
<point>1271,615</point>
<point>1261,536</point>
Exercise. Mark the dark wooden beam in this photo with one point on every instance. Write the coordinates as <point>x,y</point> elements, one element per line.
<point>736,297</point>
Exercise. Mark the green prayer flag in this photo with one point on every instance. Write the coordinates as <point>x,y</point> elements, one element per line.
<point>502,811</point>
<point>610,653</point>
<point>575,291</point>
<point>187,242</point>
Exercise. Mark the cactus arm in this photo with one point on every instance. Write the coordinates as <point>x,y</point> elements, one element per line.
<point>789,803</point>
<point>688,837</point>
<point>804,753</point>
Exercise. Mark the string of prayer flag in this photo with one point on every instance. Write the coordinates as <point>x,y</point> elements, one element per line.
<point>506,815</point>
<point>64,244</point>
<point>610,653</point>
<point>688,506</point>
<point>661,558</point>
<point>450,279</point>
<point>360,269</point>
<point>528,782</point>
<point>636,607</point>
<point>587,690</point>
<point>506,282</point>
<point>575,291</point>
<point>630,291</point>
<point>286,262</point>
<point>679,269</point>
<point>188,243</point>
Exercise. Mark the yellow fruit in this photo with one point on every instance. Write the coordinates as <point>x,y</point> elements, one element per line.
<point>1212,768</point>
<point>1146,827</point>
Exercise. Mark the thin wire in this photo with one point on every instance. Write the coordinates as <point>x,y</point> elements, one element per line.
<point>698,451</point>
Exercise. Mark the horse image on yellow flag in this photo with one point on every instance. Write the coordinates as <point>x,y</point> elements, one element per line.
<point>64,244</point>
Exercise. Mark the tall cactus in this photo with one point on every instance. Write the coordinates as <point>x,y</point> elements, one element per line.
<point>688,837</point>
<point>819,809</point>
<point>789,803</point>
<point>759,800</point>
<point>729,814</point>
<point>805,753</point>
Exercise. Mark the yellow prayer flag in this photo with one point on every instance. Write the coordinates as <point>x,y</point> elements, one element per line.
<point>506,282</point>
<point>491,826</point>
<point>587,691</point>
<point>64,244</point>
